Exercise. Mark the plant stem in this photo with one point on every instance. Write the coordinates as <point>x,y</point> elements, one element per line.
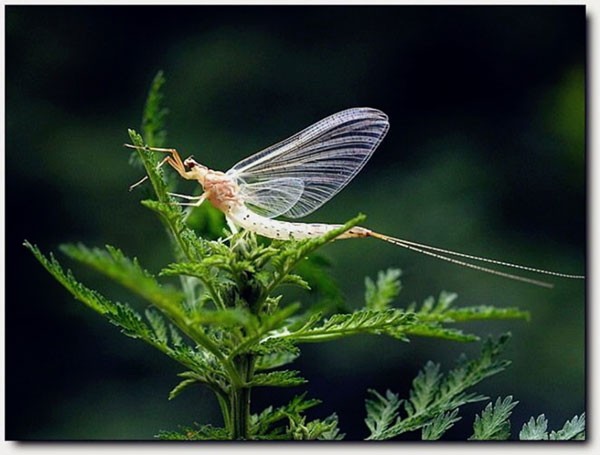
<point>240,399</point>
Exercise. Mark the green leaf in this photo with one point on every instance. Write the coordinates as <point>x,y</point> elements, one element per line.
<point>158,326</point>
<point>433,317</point>
<point>379,295</point>
<point>274,353</point>
<point>269,423</point>
<point>329,296</point>
<point>535,429</point>
<point>424,389</point>
<point>150,162</point>
<point>153,121</point>
<point>264,336</point>
<point>295,280</point>
<point>300,430</point>
<point>154,135</point>
<point>433,394</point>
<point>181,387</point>
<point>132,324</point>
<point>436,330</point>
<point>329,430</point>
<point>572,429</point>
<point>493,424</point>
<point>118,314</point>
<point>439,425</point>
<point>196,433</point>
<point>89,297</point>
<point>483,312</point>
<point>113,263</point>
<point>391,322</point>
<point>382,413</point>
<point>285,378</point>
<point>292,252</point>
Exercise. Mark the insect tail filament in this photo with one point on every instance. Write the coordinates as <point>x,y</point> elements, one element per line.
<point>425,249</point>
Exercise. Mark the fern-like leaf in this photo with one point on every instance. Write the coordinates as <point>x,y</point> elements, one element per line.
<point>535,429</point>
<point>153,120</point>
<point>285,378</point>
<point>392,322</point>
<point>128,272</point>
<point>424,389</point>
<point>382,413</point>
<point>572,429</point>
<point>441,423</point>
<point>380,294</point>
<point>196,433</point>
<point>433,395</point>
<point>270,423</point>
<point>493,424</point>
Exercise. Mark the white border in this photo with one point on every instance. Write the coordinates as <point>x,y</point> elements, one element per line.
<point>593,346</point>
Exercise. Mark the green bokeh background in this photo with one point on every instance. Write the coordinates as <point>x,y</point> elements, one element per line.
<point>486,154</point>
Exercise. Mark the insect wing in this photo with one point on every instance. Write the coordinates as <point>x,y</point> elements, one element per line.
<point>324,157</point>
<point>274,197</point>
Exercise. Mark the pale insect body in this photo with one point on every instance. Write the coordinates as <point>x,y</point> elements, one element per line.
<point>296,176</point>
<point>285,230</point>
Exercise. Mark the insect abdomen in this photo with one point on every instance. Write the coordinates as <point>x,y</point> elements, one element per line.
<point>283,230</point>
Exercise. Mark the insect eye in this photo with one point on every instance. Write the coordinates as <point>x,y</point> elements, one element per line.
<point>190,162</point>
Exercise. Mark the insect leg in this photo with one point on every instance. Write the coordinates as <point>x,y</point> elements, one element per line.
<point>158,166</point>
<point>199,200</point>
<point>185,196</point>
<point>174,159</point>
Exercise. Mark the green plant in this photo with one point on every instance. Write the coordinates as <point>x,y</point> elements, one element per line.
<point>228,325</point>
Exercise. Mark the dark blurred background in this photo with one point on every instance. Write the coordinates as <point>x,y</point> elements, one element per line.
<point>486,154</point>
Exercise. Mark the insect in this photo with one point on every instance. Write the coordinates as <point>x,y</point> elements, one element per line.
<point>298,175</point>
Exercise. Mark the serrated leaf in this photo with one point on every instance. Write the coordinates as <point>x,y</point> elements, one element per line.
<point>268,423</point>
<point>132,323</point>
<point>285,378</point>
<point>158,325</point>
<point>483,312</point>
<point>535,429</point>
<point>391,322</point>
<point>572,429</point>
<point>380,294</point>
<point>153,121</point>
<point>295,280</point>
<point>493,423</point>
<point>196,433</point>
<point>301,430</point>
<point>441,423</point>
<point>330,430</point>
<point>275,353</point>
<point>91,298</point>
<point>437,330</point>
<point>437,395</point>
<point>434,316</point>
<point>382,413</point>
<point>128,272</point>
<point>424,388</point>
<point>291,253</point>
<point>176,338</point>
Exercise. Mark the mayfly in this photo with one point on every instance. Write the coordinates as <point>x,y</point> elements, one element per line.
<point>298,175</point>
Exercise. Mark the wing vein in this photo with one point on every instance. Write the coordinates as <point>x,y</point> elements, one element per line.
<point>309,168</point>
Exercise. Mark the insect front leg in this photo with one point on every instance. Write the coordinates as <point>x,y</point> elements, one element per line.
<point>174,160</point>
<point>158,166</point>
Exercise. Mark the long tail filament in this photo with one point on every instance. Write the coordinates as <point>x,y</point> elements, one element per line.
<point>433,251</point>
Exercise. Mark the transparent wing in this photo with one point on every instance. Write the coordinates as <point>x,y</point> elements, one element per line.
<point>274,197</point>
<point>324,157</point>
